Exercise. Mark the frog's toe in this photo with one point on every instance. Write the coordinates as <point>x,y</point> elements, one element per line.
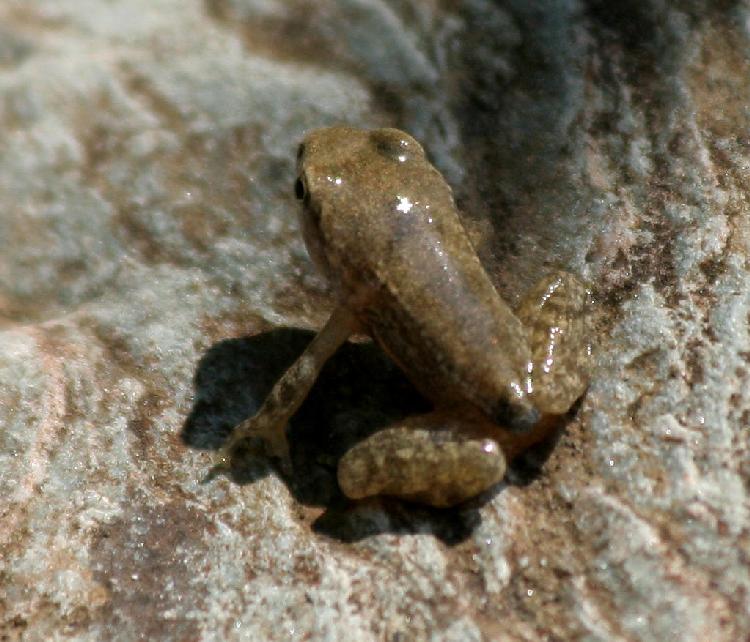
<point>221,465</point>
<point>222,459</point>
<point>252,439</point>
<point>277,446</point>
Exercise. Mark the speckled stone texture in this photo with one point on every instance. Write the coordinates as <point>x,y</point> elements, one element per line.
<point>153,284</point>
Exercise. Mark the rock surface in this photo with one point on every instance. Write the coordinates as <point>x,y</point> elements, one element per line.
<point>153,284</point>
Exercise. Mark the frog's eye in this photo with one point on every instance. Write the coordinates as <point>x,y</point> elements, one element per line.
<point>299,189</point>
<point>396,144</point>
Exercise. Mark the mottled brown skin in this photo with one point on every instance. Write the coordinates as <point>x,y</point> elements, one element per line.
<point>380,221</point>
<point>390,234</point>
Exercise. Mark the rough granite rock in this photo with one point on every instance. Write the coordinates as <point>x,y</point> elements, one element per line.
<point>153,284</point>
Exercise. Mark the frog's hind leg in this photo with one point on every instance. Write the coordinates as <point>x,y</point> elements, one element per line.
<point>269,424</point>
<point>432,459</point>
<point>556,313</point>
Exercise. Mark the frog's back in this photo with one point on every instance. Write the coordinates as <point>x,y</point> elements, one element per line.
<point>439,316</point>
<point>389,222</point>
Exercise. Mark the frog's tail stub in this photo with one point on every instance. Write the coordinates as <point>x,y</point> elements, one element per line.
<point>441,466</point>
<point>516,417</point>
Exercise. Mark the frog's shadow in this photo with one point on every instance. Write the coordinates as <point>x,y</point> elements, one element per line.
<point>358,392</point>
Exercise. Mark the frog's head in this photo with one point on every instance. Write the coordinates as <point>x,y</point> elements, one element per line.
<point>344,175</point>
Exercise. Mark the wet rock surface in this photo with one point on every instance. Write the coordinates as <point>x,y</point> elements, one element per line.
<point>153,284</point>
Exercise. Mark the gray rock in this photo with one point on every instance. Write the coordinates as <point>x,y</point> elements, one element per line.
<point>153,284</point>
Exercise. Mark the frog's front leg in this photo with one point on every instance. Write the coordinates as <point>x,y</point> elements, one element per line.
<point>432,458</point>
<point>556,314</point>
<point>269,423</point>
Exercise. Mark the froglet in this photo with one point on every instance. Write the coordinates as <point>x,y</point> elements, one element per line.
<point>380,221</point>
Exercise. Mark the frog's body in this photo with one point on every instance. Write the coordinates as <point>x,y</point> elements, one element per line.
<point>392,234</point>
<point>380,220</point>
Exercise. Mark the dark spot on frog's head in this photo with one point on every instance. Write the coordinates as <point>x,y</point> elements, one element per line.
<point>395,144</point>
<point>302,193</point>
<point>299,189</point>
<point>300,151</point>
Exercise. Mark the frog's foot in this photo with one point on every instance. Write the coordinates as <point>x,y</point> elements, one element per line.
<point>557,313</point>
<point>265,431</point>
<point>429,459</point>
<point>259,435</point>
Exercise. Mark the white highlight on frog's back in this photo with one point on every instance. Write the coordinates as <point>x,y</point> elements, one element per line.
<point>404,204</point>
